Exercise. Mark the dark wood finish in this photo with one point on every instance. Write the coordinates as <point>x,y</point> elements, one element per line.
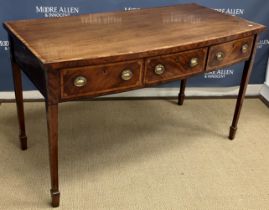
<point>100,79</point>
<point>232,53</point>
<point>176,66</point>
<point>52,119</point>
<point>53,86</point>
<point>61,42</point>
<point>30,65</point>
<point>53,51</point>
<point>52,97</point>
<point>181,95</point>
<point>243,87</point>
<point>17,80</point>
<point>19,101</point>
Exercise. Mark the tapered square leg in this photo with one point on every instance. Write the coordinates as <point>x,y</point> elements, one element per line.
<point>19,102</point>
<point>55,198</point>
<point>52,120</point>
<point>232,132</point>
<point>181,95</point>
<point>243,86</point>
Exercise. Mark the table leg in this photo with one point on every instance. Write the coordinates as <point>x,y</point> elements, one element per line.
<point>52,120</point>
<point>181,94</point>
<point>243,86</point>
<point>19,102</point>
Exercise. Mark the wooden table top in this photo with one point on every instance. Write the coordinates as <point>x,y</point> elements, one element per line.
<point>128,34</point>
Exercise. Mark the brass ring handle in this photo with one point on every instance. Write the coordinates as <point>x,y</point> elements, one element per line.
<point>80,81</point>
<point>126,74</point>
<point>244,48</point>
<point>159,69</point>
<point>193,62</point>
<point>220,56</point>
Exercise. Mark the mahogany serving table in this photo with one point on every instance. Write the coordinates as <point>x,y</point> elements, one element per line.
<point>76,57</point>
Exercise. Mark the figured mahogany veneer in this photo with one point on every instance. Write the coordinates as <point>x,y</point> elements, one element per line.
<point>100,79</point>
<point>176,66</point>
<point>232,52</point>
<point>90,55</point>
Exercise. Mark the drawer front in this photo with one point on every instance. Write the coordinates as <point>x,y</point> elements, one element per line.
<point>101,79</point>
<point>175,66</point>
<point>228,53</point>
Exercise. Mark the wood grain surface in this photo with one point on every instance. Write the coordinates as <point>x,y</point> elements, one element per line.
<point>176,66</point>
<point>232,52</point>
<point>101,79</point>
<point>117,36</point>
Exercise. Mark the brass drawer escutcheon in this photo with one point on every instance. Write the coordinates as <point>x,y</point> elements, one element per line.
<point>244,48</point>
<point>80,81</point>
<point>159,69</point>
<point>193,62</point>
<point>126,74</point>
<point>220,56</point>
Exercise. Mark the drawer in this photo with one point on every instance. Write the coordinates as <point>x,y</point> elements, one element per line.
<point>175,66</point>
<point>228,53</point>
<point>101,79</point>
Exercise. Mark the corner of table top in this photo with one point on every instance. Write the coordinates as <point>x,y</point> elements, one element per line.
<point>6,26</point>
